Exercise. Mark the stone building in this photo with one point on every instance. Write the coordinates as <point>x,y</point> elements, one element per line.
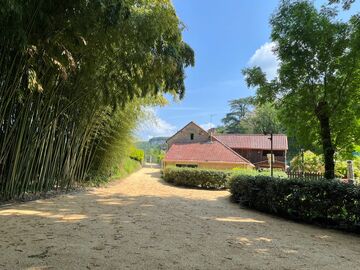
<point>192,146</point>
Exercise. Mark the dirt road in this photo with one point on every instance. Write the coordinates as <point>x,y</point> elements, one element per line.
<point>143,223</point>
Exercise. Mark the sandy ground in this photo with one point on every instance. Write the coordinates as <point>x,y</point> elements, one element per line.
<point>143,223</point>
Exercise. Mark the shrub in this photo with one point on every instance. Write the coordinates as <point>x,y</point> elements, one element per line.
<point>136,154</point>
<point>312,163</point>
<point>189,177</point>
<point>327,202</point>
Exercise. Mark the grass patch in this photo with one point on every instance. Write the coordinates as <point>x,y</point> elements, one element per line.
<point>126,167</point>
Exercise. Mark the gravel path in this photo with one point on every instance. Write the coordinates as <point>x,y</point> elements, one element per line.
<point>143,223</point>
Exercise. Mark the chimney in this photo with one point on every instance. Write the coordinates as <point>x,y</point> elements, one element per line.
<point>211,131</point>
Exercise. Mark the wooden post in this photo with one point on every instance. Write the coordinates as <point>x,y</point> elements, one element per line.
<point>272,161</point>
<point>350,171</point>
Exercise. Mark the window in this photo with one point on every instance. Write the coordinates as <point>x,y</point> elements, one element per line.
<point>191,136</point>
<point>186,165</point>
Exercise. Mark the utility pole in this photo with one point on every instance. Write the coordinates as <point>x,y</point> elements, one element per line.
<point>302,161</point>
<point>272,154</point>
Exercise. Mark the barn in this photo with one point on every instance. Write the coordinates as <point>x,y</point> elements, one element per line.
<point>192,146</point>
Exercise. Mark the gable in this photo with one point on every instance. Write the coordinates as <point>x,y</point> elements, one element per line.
<point>191,133</point>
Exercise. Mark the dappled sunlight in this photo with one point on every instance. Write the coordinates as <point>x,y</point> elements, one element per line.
<point>244,241</point>
<point>239,219</point>
<point>113,202</point>
<point>263,239</point>
<point>35,213</point>
<point>44,202</point>
<point>262,250</point>
<point>147,205</point>
<point>323,236</point>
<point>38,268</point>
<point>107,217</point>
<point>290,251</point>
<point>145,217</point>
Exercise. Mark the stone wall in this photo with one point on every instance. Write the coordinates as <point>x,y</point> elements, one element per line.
<point>184,135</point>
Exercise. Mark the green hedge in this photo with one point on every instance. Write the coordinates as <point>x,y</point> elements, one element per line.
<point>325,202</point>
<point>188,177</point>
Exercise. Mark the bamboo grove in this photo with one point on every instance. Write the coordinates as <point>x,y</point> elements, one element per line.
<point>74,77</point>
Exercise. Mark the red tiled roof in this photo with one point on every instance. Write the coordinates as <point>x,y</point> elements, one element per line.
<point>254,141</point>
<point>204,152</point>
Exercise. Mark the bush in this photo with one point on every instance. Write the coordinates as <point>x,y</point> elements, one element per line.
<point>188,177</point>
<point>312,163</point>
<point>137,154</point>
<point>326,202</point>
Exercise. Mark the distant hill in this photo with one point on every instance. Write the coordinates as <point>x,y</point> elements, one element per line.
<point>153,143</point>
<point>153,149</point>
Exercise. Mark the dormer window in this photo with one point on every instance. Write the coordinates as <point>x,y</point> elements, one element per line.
<point>191,136</point>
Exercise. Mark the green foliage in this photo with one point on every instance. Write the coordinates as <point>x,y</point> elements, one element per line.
<point>125,168</point>
<point>341,169</point>
<point>313,163</point>
<point>188,177</point>
<point>239,109</point>
<point>247,118</point>
<point>74,77</point>
<point>317,89</point>
<point>264,118</point>
<point>154,149</point>
<point>346,4</point>
<point>327,202</point>
<point>264,172</point>
<point>137,154</point>
<point>119,171</point>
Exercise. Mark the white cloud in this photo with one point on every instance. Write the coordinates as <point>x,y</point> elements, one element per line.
<point>154,126</point>
<point>265,58</point>
<point>207,126</point>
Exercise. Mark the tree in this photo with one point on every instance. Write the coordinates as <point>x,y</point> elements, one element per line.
<point>312,163</point>
<point>238,110</point>
<point>317,89</point>
<point>74,78</point>
<point>346,3</point>
<point>264,118</point>
<point>245,117</point>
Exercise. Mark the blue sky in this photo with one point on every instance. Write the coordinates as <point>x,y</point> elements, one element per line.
<point>227,36</point>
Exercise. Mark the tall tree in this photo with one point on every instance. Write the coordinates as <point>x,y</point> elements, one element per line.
<point>318,84</point>
<point>264,118</point>
<point>345,3</point>
<point>74,77</point>
<point>238,110</point>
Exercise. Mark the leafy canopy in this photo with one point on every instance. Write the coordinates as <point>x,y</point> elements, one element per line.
<point>317,88</point>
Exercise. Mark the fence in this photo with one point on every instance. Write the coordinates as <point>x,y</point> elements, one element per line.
<point>305,175</point>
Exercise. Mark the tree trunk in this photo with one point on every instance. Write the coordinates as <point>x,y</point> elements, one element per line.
<point>327,145</point>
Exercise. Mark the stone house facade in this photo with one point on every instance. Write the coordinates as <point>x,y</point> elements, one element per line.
<point>192,146</point>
